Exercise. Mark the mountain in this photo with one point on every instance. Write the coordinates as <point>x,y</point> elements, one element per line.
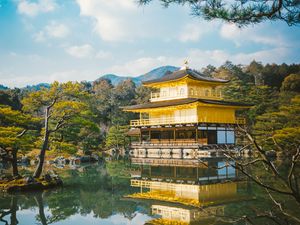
<point>116,79</point>
<point>153,74</point>
<point>2,87</point>
<point>36,87</point>
<point>157,73</point>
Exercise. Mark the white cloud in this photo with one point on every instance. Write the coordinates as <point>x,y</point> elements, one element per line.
<point>109,17</point>
<point>200,58</point>
<point>82,51</point>
<point>251,34</point>
<point>32,9</point>
<point>39,36</point>
<point>103,55</point>
<point>125,21</point>
<point>52,30</point>
<point>194,31</point>
<point>32,79</point>
<point>141,65</point>
<point>275,55</point>
<point>57,30</point>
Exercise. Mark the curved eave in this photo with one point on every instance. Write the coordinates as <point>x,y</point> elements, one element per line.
<point>184,102</point>
<point>161,104</point>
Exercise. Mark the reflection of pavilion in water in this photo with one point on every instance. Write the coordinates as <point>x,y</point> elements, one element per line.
<point>185,171</point>
<point>186,215</point>
<point>207,185</point>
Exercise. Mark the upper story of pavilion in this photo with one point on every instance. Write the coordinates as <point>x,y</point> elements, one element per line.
<point>185,83</point>
<point>186,97</point>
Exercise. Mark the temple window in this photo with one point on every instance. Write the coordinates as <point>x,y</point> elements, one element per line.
<point>181,91</point>
<point>206,92</point>
<point>192,91</point>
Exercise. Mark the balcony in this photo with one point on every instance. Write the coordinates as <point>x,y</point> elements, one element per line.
<point>170,121</point>
<point>158,96</point>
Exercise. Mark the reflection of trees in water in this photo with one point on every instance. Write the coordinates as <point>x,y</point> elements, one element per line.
<point>85,192</point>
<point>12,211</point>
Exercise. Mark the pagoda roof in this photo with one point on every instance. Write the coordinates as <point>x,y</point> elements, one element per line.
<point>193,74</point>
<point>184,101</point>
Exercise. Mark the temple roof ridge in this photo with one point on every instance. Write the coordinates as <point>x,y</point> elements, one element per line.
<point>183,72</point>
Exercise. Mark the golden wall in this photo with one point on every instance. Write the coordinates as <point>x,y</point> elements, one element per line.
<point>216,114</point>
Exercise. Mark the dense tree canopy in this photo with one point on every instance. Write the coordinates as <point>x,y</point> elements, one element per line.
<point>291,83</point>
<point>60,106</point>
<point>241,12</point>
<point>16,134</point>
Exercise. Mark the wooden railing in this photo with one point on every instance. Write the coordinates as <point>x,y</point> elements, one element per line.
<point>157,96</point>
<point>169,121</point>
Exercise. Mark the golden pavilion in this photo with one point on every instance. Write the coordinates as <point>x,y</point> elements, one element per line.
<point>186,112</point>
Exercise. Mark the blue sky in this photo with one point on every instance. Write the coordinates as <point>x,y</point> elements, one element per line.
<point>47,40</point>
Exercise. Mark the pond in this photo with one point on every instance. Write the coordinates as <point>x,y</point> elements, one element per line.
<point>120,192</point>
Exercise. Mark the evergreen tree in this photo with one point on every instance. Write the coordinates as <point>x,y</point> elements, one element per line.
<point>56,107</point>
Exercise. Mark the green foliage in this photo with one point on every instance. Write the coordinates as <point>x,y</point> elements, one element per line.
<point>142,94</point>
<point>291,83</point>
<point>60,146</point>
<point>275,110</point>
<point>70,121</point>
<point>11,97</point>
<point>12,124</point>
<point>116,137</point>
<point>283,125</point>
<point>241,12</point>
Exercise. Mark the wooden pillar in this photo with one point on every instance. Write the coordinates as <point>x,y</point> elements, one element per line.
<point>175,174</point>
<point>196,138</point>
<point>159,136</point>
<point>140,135</point>
<point>174,134</point>
<point>227,169</point>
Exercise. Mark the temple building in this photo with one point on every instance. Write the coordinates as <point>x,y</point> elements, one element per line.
<point>186,113</point>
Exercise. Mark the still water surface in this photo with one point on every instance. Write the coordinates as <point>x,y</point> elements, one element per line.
<point>123,193</point>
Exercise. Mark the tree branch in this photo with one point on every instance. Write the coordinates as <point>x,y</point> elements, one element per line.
<point>292,168</point>
<point>59,124</point>
<point>22,133</point>
<point>279,205</point>
<point>264,157</point>
<point>241,168</point>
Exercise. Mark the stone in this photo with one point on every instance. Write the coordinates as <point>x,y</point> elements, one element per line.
<point>29,180</point>
<point>48,177</point>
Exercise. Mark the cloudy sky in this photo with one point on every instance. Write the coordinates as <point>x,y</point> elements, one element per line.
<point>47,40</point>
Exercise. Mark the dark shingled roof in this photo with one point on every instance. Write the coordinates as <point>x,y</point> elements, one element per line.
<point>193,74</point>
<point>184,101</point>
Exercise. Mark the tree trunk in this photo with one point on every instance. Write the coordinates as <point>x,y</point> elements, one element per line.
<point>14,163</point>
<point>39,168</point>
<point>14,209</point>
<point>40,203</point>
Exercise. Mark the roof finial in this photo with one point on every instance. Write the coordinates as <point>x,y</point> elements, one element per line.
<point>185,65</point>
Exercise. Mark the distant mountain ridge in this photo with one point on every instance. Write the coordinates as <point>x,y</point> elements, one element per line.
<point>153,74</point>
<point>115,79</point>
